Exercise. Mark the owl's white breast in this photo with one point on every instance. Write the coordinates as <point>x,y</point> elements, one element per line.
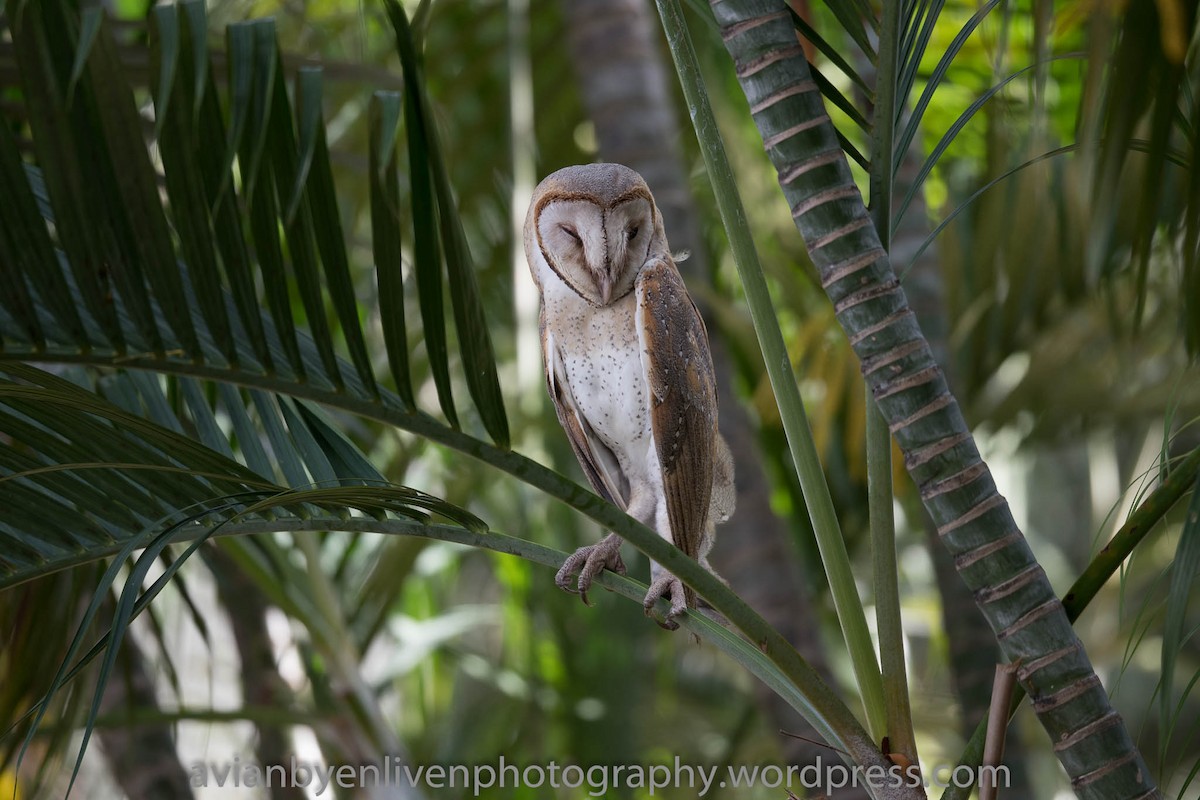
<point>599,353</point>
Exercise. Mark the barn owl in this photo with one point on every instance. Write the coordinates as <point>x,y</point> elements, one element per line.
<point>628,369</point>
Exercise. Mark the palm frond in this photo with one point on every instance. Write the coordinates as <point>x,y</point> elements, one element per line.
<point>830,52</point>
<point>71,501</point>
<point>909,131</point>
<point>947,138</point>
<point>244,338</point>
<point>206,311</point>
<point>856,19</point>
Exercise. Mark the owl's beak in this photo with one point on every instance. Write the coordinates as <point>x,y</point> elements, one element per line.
<point>605,285</point>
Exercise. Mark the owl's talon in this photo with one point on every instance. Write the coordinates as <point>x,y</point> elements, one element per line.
<point>590,561</point>
<point>671,588</point>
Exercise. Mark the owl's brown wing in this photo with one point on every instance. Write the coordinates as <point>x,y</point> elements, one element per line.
<point>683,398</point>
<point>598,462</point>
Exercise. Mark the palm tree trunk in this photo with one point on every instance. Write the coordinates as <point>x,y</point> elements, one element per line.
<point>973,520</point>
<point>973,652</point>
<point>622,76</point>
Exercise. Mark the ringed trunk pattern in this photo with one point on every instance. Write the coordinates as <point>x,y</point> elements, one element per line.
<point>973,519</point>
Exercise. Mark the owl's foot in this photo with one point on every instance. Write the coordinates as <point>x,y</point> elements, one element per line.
<point>671,588</point>
<point>590,561</point>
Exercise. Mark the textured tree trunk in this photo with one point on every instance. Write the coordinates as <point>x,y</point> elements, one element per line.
<point>141,755</point>
<point>617,52</point>
<point>973,652</point>
<point>973,649</point>
<point>973,520</point>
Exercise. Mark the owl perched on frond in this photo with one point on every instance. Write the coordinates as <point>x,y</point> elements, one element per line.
<point>628,368</point>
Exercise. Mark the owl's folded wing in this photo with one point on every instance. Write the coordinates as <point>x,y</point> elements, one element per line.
<point>683,400</point>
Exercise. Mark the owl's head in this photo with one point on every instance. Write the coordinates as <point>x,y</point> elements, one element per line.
<point>593,226</point>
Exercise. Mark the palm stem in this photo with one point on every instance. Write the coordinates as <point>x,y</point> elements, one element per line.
<point>901,738</point>
<point>834,557</point>
<point>879,439</point>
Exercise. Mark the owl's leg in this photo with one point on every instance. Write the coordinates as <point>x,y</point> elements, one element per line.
<point>663,583</point>
<point>590,561</point>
